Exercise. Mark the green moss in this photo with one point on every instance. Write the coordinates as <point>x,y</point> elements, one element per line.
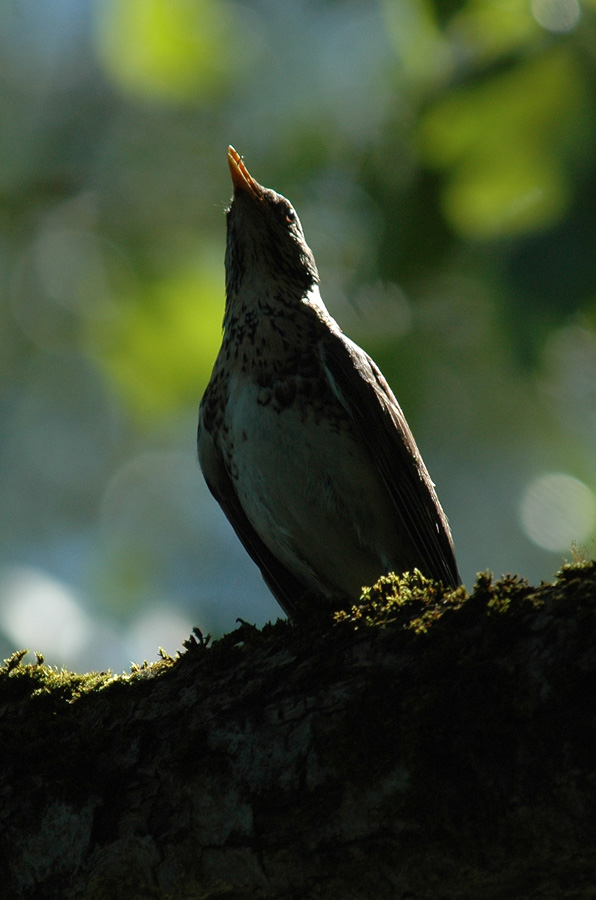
<point>19,679</point>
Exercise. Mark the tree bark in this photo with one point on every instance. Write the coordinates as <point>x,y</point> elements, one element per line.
<point>425,744</point>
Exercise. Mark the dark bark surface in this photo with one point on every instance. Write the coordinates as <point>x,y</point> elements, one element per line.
<point>423,746</point>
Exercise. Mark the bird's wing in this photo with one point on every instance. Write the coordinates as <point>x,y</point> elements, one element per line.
<point>284,586</point>
<point>372,407</point>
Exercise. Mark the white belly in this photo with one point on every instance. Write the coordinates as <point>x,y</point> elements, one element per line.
<point>312,494</point>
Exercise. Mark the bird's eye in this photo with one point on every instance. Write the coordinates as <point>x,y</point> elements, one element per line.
<point>290,215</point>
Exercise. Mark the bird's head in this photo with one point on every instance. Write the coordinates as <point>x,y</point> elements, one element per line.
<point>266,252</point>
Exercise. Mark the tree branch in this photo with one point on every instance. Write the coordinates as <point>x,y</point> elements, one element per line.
<point>425,744</point>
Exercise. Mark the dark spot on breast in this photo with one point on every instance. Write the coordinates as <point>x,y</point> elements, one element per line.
<point>264,396</point>
<point>284,393</point>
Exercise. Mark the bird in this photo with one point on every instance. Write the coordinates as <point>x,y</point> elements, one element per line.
<point>300,438</point>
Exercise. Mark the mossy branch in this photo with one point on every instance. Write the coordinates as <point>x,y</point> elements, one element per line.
<point>426,743</point>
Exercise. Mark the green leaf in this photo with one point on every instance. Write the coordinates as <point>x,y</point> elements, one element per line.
<point>158,350</point>
<point>169,50</point>
<point>507,146</point>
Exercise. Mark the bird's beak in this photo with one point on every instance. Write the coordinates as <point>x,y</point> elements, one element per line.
<point>243,180</point>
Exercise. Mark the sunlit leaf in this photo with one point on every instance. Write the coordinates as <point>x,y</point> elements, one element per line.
<point>172,50</point>
<point>490,29</point>
<point>422,49</point>
<point>158,352</point>
<point>508,146</point>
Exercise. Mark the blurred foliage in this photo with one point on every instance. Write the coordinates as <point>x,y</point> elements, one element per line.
<point>510,146</point>
<point>173,50</point>
<point>158,349</point>
<point>442,158</point>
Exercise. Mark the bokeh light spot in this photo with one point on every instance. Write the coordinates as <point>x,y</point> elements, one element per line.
<point>557,510</point>
<point>158,626</point>
<point>558,16</point>
<point>40,612</point>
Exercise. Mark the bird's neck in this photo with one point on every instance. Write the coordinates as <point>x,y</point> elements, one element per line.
<point>274,329</point>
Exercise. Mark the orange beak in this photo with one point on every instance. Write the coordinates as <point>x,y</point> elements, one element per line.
<point>243,180</point>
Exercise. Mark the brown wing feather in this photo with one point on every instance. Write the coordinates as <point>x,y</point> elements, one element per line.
<point>370,403</point>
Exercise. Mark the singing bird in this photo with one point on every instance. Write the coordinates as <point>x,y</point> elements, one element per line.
<point>301,440</point>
